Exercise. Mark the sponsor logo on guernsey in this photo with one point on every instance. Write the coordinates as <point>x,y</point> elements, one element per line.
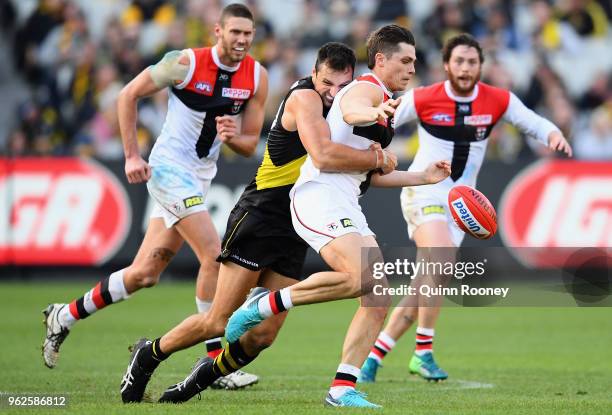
<point>204,87</point>
<point>332,226</point>
<point>346,222</point>
<point>441,117</point>
<point>236,93</point>
<point>223,77</point>
<point>433,209</point>
<point>467,218</point>
<point>193,201</point>
<point>483,119</point>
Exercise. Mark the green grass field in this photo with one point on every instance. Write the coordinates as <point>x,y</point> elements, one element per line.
<point>500,360</point>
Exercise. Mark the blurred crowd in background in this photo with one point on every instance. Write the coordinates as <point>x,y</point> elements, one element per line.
<point>63,62</point>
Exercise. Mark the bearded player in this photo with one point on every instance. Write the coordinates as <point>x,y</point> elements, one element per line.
<point>455,118</point>
<point>209,88</point>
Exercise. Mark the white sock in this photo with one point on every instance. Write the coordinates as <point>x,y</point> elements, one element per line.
<point>346,377</point>
<point>424,341</point>
<point>116,287</point>
<point>274,303</point>
<point>65,318</point>
<point>203,306</point>
<point>383,345</point>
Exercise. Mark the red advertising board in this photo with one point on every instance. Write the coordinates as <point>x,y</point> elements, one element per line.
<point>56,211</point>
<point>557,208</point>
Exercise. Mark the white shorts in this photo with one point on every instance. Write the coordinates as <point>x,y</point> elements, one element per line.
<point>320,213</point>
<point>424,205</point>
<point>177,193</point>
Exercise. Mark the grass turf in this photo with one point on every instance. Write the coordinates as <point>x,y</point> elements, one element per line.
<point>500,360</point>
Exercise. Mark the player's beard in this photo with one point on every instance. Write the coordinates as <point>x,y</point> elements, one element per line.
<point>459,85</point>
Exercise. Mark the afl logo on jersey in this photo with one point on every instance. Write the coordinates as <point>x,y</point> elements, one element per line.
<point>441,117</point>
<point>205,87</point>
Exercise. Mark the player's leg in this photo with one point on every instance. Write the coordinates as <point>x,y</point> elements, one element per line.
<point>157,249</point>
<point>425,211</point>
<point>435,245</point>
<point>361,334</point>
<point>233,285</point>
<point>201,235</point>
<point>235,355</point>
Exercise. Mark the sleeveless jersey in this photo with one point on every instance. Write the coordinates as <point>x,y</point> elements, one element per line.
<point>456,128</point>
<point>268,192</point>
<point>211,89</point>
<point>358,137</point>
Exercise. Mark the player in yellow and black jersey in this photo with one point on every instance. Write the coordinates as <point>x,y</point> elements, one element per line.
<point>259,233</point>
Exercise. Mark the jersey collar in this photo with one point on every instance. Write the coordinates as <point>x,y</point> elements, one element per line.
<point>215,57</point>
<point>381,84</point>
<point>451,95</point>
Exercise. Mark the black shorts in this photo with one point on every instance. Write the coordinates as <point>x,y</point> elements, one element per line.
<point>256,241</point>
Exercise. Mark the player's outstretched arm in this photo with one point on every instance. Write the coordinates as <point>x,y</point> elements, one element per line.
<point>363,104</point>
<point>172,68</point>
<point>245,141</point>
<point>530,123</point>
<point>306,108</point>
<point>434,173</point>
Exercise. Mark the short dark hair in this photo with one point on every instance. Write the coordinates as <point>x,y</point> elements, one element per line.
<point>458,40</point>
<point>386,40</point>
<point>235,10</point>
<point>336,56</point>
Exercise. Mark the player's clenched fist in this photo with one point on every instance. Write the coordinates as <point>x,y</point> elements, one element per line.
<point>137,170</point>
<point>227,129</point>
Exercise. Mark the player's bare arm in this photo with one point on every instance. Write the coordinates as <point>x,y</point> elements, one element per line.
<point>244,142</point>
<point>304,111</point>
<point>363,104</point>
<point>434,173</point>
<point>171,69</point>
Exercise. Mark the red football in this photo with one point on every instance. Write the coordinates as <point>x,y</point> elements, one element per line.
<point>472,211</point>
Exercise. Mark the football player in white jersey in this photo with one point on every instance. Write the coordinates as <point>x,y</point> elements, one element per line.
<point>178,174</point>
<point>326,213</point>
<point>455,118</point>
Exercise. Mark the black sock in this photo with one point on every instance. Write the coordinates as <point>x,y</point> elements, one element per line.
<point>151,356</point>
<point>231,359</point>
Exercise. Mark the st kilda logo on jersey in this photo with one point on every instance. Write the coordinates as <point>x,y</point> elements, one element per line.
<point>236,107</point>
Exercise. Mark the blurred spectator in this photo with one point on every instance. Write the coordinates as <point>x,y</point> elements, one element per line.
<point>30,36</point>
<point>586,17</point>
<point>555,54</point>
<point>595,143</point>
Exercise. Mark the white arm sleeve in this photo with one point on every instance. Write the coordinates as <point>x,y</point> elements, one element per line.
<point>527,121</point>
<point>406,111</point>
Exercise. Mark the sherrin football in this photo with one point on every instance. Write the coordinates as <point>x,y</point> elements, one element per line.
<point>472,212</point>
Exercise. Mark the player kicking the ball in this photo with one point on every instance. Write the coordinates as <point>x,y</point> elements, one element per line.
<point>208,89</point>
<point>455,118</point>
<point>260,246</point>
<point>325,211</point>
